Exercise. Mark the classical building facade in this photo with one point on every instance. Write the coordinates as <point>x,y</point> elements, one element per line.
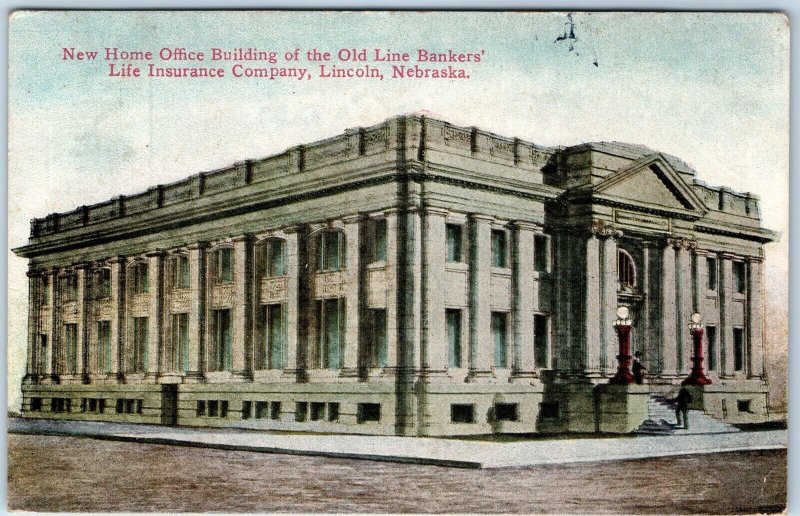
<point>409,278</point>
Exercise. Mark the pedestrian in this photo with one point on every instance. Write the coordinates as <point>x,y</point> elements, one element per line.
<point>682,407</point>
<point>638,368</point>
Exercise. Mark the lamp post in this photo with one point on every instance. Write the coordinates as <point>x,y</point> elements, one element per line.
<point>698,375</point>
<point>623,326</point>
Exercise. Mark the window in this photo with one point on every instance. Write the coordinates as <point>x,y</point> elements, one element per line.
<point>103,285</point>
<point>454,243</point>
<point>333,412</point>
<point>330,333</point>
<point>36,404</point>
<point>379,243</point>
<point>103,346</point>
<point>201,408</point>
<point>711,336</point>
<point>177,359</point>
<point>139,406</point>
<point>738,349</point>
<point>301,411</point>
<point>743,405</point>
<point>330,251</point>
<point>274,336</point>
<point>462,413</point>
<point>506,412</point>
<point>262,409</point>
<point>275,410</point>
<point>499,336</point>
<point>541,252</point>
<point>377,352</point>
<point>138,355</point>
<point>626,271</point>
<point>317,411</point>
<point>179,272</point>
<point>739,277</point>
<point>224,265</point>
<point>453,321</point>
<point>223,408</point>
<point>711,265</point>
<point>139,273</point>
<point>45,284</point>
<point>247,409</point>
<point>41,356</point>
<point>369,412</point>
<point>220,359</point>
<point>274,258</point>
<point>541,341</point>
<point>71,287</point>
<point>71,347</point>
<point>499,251</point>
<point>549,410</point>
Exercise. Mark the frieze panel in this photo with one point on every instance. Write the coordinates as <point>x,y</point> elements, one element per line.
<point>140,305</point>
<point>103,309</point>
<point>222,296</point>
<point>69,311</point>
<point>179,300</point>
<point>44,319</point>
<point>329,284</point>
<point>334,151</point>
<point>500,293</point>
<point>456,137</point>
<point>501,149</point>
<point>376,140</point>
<point>273,290</point>
<point>376,297</point>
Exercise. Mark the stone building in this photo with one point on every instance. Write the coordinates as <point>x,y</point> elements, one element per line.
<point>409,278</point>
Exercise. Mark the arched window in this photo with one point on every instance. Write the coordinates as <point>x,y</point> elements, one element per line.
<point>626,270</point>
<point>330,251</point>
<point>274,257</point>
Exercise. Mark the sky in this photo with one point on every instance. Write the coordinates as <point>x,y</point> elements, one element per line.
<point>711,88</point>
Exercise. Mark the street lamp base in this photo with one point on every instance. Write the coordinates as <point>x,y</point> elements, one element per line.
<point>623,377</point>
<point>696,379</point>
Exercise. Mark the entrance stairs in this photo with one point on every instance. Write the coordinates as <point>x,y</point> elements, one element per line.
<point>661,420</point>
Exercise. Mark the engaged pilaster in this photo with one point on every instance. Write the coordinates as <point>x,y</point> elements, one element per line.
<point>117,313</point>
<point>755,320</point>
<point>481,351</point>
<point>155,266</point>
<point>241,349</point>
<point>197,304</point>
<point>434,341</point>
<point>669,307</point>
<point>524,298</point>
<point>82,299</point>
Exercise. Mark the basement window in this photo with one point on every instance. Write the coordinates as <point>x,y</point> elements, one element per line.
<point>549,410</point>
<point>462,413</point>
<point>506,412</point>
<point>369,412</point>
<point>743,405</point>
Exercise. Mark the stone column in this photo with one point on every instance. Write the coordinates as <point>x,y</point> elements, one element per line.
<point>197,308</point>
<point>31,373</point>
<point>755,323</point>
<point>292,364</point>
<point>434,328</point>
<point>241,316</point>
<point>642,341</point>
<point>480,265</point>
<point>593,299</point>
<point>524,298</point>
<point>53,350</point>
<point>684,297</point>
<point>352,288</point>
<point>391,292</point>
<point>117,313</point>
<point>609,280</point>
<point>155,267</point>
<point>669,306</point>
<point>82,299</point>
<point>725,332</point>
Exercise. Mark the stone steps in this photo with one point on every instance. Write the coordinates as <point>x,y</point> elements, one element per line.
<point>662,421</point>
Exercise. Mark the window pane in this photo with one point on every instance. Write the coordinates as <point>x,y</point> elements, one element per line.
<point>453,243</point>
<point>332,331</point>
<point>454,337</point>
<point>540,244</point>
<point>183,272</point>
<point>738,349</point>
<point>276,262</point>
<point>379,338</point>
<point>711,336</point>
<point>540,338</point>
<point>224,265</point>
<point>332,250</point>
<point>274,336</point>
<point>499,336</point>
<point>380,240</point>
<point>498,248</point>
<point>739,277</point>
<point>711,265</point>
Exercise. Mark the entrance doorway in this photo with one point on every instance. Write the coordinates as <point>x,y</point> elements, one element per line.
<point>169,404</point>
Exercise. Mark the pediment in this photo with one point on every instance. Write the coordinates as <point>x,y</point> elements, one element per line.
<point>650,181</point>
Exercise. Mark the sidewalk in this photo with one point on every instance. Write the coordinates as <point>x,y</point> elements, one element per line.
<point>417,450</point>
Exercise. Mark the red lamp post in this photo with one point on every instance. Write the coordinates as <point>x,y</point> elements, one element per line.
<point>623,326</point>
<point>698,375</point>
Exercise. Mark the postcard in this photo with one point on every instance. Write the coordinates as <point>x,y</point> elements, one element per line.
<point>398,262</point>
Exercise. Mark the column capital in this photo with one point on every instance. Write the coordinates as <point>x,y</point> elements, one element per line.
<point>434,210</point>
<point>154,253</point>
<point>681,243</point>
<point>117,259</point>
<point>32,273</point>
<point>700,252</point>
<point>527,225</point>
<point>729,256</point>
<point>291,229</point>
<point>602,229</point>
<point>51,272</point>
<point>197,246</point>
<point>479,217</point>
<point>352,219</point>
<point>754,259</point>
<point>82,266</point>
<point>243,238</point>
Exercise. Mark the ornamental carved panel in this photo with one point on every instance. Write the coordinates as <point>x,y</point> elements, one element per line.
<point>222,296</point>
<point>103,309</point>
<point>69,311</point>
<point>140,305</point>
<point>274,290</point>
<point>179,301</point>
<point>329,284</point>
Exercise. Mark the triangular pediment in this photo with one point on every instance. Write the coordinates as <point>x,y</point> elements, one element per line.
<point>650,181</point>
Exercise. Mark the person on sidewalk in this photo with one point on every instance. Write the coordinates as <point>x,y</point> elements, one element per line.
<point>638,368</point>
<point>682,407</point>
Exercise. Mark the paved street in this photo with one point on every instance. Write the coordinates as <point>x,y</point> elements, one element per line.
<point>53,473</point>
